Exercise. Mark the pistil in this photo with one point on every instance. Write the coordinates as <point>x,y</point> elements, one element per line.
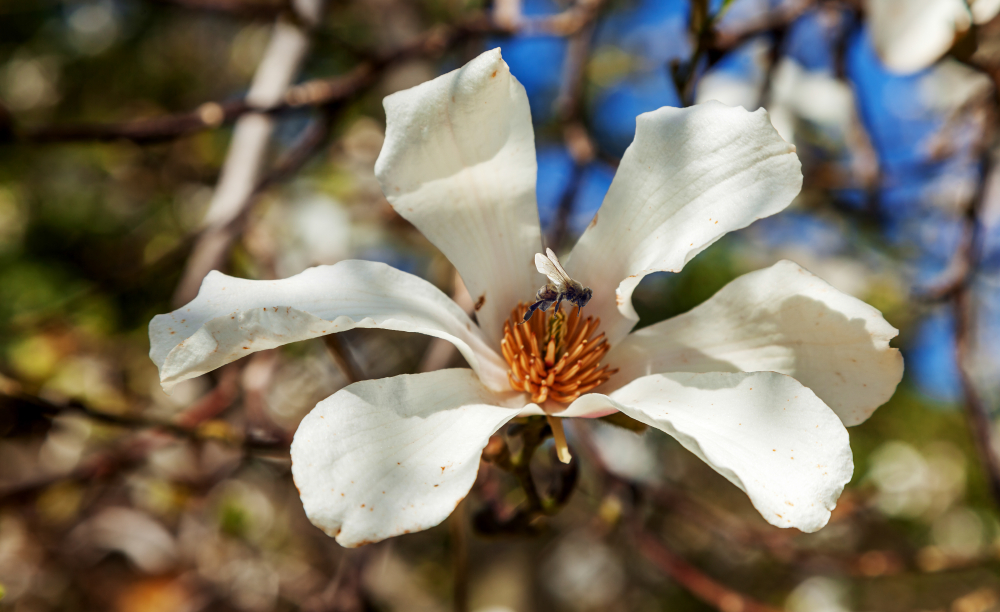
<point>555,357</point>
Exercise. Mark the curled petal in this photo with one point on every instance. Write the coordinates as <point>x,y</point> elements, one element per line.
<point>233,317</point>
<point>690,176</point>
<point>381,458</point>
<point>763,431</point>
<point>459,164</point>
<point>780,319</point>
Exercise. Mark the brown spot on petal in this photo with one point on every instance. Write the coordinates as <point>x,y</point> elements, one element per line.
<point>480,302</point>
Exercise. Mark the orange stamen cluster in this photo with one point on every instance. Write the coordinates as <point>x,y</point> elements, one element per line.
<point>553,356</point>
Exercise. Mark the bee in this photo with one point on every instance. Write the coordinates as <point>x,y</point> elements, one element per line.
<point>559,287</point>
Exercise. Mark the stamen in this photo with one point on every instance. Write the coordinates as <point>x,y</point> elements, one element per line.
<point>562,449</point>
<point>554,357</point>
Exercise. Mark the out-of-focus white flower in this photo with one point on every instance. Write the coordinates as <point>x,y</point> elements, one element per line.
<point>311,229</point>
<point>743,89</point>
<point>143,540</point>
<point>952,85</point>
<point>818,594</point>
<point>910,35</point>
<point>960,533</point>
<point>759,381</point>
<point>626,453</point>
<point>29,82</point>
<point>584,573</point>
<point>911,484</point>
<point>798,94</point>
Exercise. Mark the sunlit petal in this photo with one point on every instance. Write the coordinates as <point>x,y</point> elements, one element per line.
<point>459,163</point>
<point>765,432</point>
<point>234,317</point>
<point>780,319</point>
<point>691,176</point>
<point>382,458</point>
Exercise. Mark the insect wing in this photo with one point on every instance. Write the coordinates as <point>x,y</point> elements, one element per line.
<point>555,261</point>
<point>556,276</point>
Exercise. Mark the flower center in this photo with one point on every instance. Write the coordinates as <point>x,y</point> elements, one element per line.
<point>554,356</point>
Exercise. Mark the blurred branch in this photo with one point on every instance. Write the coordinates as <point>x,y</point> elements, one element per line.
<point>342,357</point>
<point>214,402</point>
<point>976,411</point>
<point>779,19</point>
<point>246,158</point>
<point>569,112</point>
<point>711,43</point>
<point>507,18</point>
<point>48,410</point>
<point>460,559</point>
<point>241,8</point>
<point>210,115</point>
<point>212,244</point>
<point>691,578</point>
<point>313,93</point>
<point>958,290</point>
<point>683,573</point>
<point>129,453</point>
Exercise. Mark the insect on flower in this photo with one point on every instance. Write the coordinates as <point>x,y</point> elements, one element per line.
<point>560,286</point>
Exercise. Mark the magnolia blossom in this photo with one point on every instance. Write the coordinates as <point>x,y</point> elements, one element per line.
<point>759,381</point>
<point>910,35</point>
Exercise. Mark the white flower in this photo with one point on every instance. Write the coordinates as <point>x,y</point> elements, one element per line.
<point>910,35</point>
<point>384,457</point>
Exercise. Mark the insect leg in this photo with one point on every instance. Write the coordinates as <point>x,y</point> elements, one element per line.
<point>543,304</point>
<point>529,312</point>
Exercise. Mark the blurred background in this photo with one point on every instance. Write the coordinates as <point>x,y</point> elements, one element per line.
<point>132,161</point>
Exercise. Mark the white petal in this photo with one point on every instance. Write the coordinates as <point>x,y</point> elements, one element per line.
<point>233,317</point>
<point>690,176</point>
<point>780,319</point>
<point>984,10</point>
<point>910,35</point>
<point>380,458</point>
<point>459,163</point>
<point>766,433</point>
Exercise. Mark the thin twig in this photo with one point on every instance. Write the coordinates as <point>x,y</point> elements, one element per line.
<point>212,243</point>
<point>246,159</point>
<point>692,579</point>
<point>259,9</point>
<point>460,559</point>
<point>342,357</point>
<point>960,291</point>
<point>569,111</point>
<point>313,93</point>
<point>49,409</point>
